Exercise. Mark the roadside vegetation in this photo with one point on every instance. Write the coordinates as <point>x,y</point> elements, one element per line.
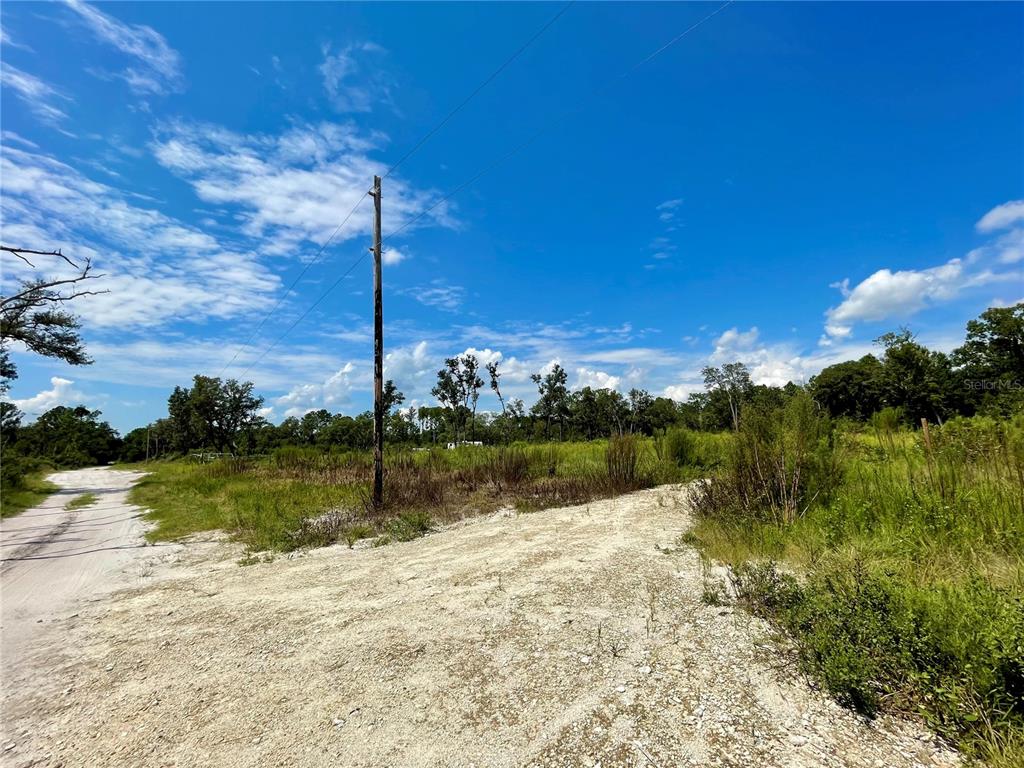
<point>875,515</point>
<point>31,488</point>
<point>302,496</point>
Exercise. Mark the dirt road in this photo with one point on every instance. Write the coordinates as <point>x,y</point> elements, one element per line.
<point>571,637</point>
<point>53,558</point>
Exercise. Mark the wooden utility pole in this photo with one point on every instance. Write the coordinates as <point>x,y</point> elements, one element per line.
<point>378,356</point>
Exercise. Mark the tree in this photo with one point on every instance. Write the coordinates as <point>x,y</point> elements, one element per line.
<point>991,360</point>
<point>391,398</point>
<point>33,315</point>
<point>458,386</point>
<point>640,402</point>
<point>852,389</point>
<point>73,437</point>
<point>915,379</point>
<point>554,398</point>
<point>213,414</point>
<point>732,381</point>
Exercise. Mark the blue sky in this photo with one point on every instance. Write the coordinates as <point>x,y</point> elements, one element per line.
<point>780,186</point>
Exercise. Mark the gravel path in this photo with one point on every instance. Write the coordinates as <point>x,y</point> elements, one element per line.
<point>570,637</point>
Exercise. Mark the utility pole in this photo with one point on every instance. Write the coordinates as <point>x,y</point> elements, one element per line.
<point>378,356</point>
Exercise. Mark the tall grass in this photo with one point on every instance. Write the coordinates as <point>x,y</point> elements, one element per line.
<point>908,549</point>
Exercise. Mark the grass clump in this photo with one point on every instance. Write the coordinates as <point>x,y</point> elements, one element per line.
<point>84,500</point>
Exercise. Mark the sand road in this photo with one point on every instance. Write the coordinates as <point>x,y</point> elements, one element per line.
<point>570,637</point>
<point>52,558</point>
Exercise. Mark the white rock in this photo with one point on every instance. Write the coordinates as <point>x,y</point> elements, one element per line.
<point>797,741</point>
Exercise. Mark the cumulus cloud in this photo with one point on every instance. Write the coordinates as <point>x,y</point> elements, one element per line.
<point>586,377</point>
<point>61,392</point>
<point>155,68</point>
<point>332,394</point>
<point>295,187</point>
<point>887,294</point>
<point>734,342</point>
<point>1002,216</point>
<point>391,257</point>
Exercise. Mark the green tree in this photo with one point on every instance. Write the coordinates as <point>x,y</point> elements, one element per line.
<point>916,380</point>
<point>70,437</point>
<point>553,404</point>
<point>991,361</point>
<point>34,315</point>
<point>852,389</point>
<point>730,383</point>
<point>213,414</point>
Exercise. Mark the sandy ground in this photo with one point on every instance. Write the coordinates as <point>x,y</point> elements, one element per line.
<point>53,558</point>
<point>571,637</point>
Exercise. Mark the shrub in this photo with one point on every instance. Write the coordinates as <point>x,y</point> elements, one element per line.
<point>954,655</point>
<point>781,461</point>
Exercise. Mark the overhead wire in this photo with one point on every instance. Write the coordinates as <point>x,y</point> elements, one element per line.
<point>415,148</point>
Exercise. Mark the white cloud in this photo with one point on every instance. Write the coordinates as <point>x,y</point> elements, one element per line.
<point>351,84</point>
<point>6,39</point>
<point>293,188</point>
<point>734,342</point>
<point>392,256</point>
<point>331,394</point>
<point>156,67</point>
<point>38,96</point>
<point>411,364</point>
<point>586,377</point>
<point>887,294</point>
<point>1002,216</point>
<point>156,268</point>
<point>438,294</point>
<point>61,392</point>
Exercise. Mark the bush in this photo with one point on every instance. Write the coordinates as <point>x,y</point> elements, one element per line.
<point>954,655</point>
<point>781,461</point>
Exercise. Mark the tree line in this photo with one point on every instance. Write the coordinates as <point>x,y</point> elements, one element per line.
<point>984,375</point>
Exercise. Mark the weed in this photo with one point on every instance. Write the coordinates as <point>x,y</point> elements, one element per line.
<point>84,500</point>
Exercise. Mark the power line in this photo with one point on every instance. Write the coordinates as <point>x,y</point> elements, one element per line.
<point>558,119</point>
<point>487,169</point>
<point>295,282</point>
<point>479,88</point>
<point>416,147</point>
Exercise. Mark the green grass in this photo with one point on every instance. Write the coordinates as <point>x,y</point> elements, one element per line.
<point>82,501</point>
<point>33,489</point>
<point>282,502</point>
<point>908,593</point>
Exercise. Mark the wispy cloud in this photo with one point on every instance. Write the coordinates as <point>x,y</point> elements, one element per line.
<point>157,269</point>
<point>155,68</point>
<point>1002,216</point>
<point>351,84</point>
<point>292,188</point>
<point>438,294</point>
<point>39,97</point>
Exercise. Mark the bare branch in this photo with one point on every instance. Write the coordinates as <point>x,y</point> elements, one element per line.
<point>19,251</point>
